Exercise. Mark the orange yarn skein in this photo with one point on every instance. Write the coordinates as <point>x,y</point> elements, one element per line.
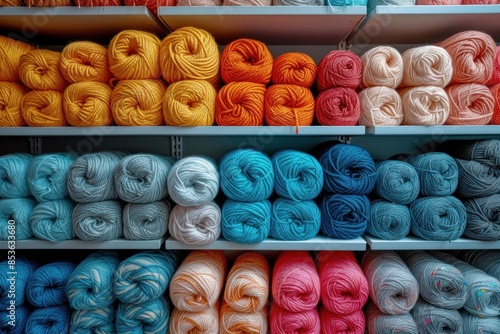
<point>10,55</point>
<point>294,68</point>
<point>190,54</point>
<point>43,108</point>
<point>88,104</point>
<point>240,103</point>
<point>246,60</point>
<point>134,54</point>
<point>39,69</point>
<point>138,102</point>
<point>85,61</point>
<point>11,97</point>
<point>232,321</point>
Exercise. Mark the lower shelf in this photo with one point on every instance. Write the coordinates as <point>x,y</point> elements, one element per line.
<point>414,243</point>
<point>80,244</point>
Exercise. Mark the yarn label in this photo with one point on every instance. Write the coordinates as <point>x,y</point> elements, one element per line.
<point>11,273</point>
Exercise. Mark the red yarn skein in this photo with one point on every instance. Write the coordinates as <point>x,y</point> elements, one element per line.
<point>282,321</point>
<point>151,4</point>
<point>339,68</point>
<point>495,91</point>
<point>495,77</point>
<point>331,323</point>
<point>338,106</point>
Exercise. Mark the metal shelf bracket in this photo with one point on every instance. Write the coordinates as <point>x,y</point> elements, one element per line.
<point>35,145</point>
<point>177,147</point>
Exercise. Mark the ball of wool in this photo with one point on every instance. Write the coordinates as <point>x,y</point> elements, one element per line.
<point>85,61</point>
<point>292,220</point>
<point>22,314</point>
<point>52,220</point>
<point>495,92</point>
<point>483,221</point>
<point>88,104</point>
<point>24,268</point>
<point>52,319</point>
<point>425,105</point>
<point>427,65</point>
<point>470,104</point>
<point>145,221</point>
<point>39,69</point>
<point>47,285</point>
<point>397,182</point>
<point>380,106</point>
<point>246,223</point>
<point>205,321</point>
<point>11,98</point>
<point>98,221</point>
<point>11,51</point>
<point>337,106</point>
<point>240,103</point>
<point>380,322</point>
<point>14,218</point>
<point>43,108</point>
<point>151,317</point>
<point>294,68</point>
<point>13,171</point>
<point>195,225</point>
<point>476,179</point>
<point>388,221</point>
<point>101,320</point>
<point>339,68</point>
<point>382,66</point>
<point>432,319</point>
<point>344,216</point>
<point>289,105</point>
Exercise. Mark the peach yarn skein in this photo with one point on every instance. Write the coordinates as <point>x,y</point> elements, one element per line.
<point>10,56</point>
<point>39,70</point>
<point>428,65</point>
<point>11,98</point>
<point>425,105</point>
<point>380,106</point>
<point>88,104</point>
<point>85,61</point>
<point>471,104</point>
<point>43,108</point>
<point>240,103</point>
<point>231,321</point>
<point>382,66</point>
<point>202,322</point>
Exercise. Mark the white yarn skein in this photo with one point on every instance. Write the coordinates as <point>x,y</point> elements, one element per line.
<point>425,105</point>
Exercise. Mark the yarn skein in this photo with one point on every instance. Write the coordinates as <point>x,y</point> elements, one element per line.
<point>282,321</point>
<point>432,319</point>
<point>397,182</point>
<point>380,106</point>
<point>292,220</point>
<point>495,77</point>
<point>22,314</point>
<point>198,282</point>
<point>98,221</point>
<point>486,151</point>
<point>378,322</point>
<point>485,260</point>
<point>388,220</point>
<point>338,106</point>
<point>145,221</point>
<point>440,284</point>
<point>344,216</point>
<point>14,218</point>
<point>246,3</point>
<point>13,171</point>
<point>344,288</point>
<point>85,61</point>
<point>427,65</point>
<point>11,98</point>
<point>11,51</point>
<point>47,285</point>
<point>339,68</point>
<point>246,222</point>
<point>240,104</point>
<point>203,322</point>
<point>247,284</point>
<point>43,108</point>
<point>382,66</point>
<point>52,319</point>
<point>495,92</point>
<point>295,285</point>
<point>195,225</point>
<point>232,321</point>
<point>298,3</point>
<point>332,323</point>
<point>294,68</point>
<point>425,105</point>
<point>150,317</point>
<point>483,221</point>
<point>88,104</point>
<point>24,269</point>
<point>476,179</point>
<point>152,5</point>
<point>393,288</point>
<point>470,104</point>
<point>52,220</point>
<point>101,321</point>
<point>472,323</point>
<point>39,69</point>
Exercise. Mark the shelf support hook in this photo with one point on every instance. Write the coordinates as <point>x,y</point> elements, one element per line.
<point>177,147</point>
<point>35,145</point>
<point>344,139</point>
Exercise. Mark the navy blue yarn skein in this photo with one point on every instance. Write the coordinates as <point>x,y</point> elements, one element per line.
<point>437,172</point>
<point>49,320</point>
<point>14,216</point>
<point>20,316</point>
<point>344,216</point>
<point>476,179</point>
<point>24,269</point>
<point>388,221</point>
<point>348,169</point>
<point>292,220</point>
<point>397,182</point>
<point>47,285</point>
<point>150,317</point>
<point>246,223</point>
<point>13,182</point>
<point>96,321</point>
<point>52,220</point>
<point>483,218</point>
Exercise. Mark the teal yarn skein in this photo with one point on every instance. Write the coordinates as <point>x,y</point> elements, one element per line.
<point>246,175</point>
<point>438,173</point>
<point>145,276</point>
<point>297,175</point>
<point>13,169</point>
<point>438,218</point>
<point>52,220</point>
<point>6,327</point>
<point>150,317</point>
<point>90,286</point>
<point>52,319</point>
<point>24,269</point>
<point>476,179</point>
<point>397,182</point>
<point>292,220</point>
<point>145,221</point>
<point>388,220</point>
<point>246,223</point>
<point>47,285</point>
<point>431,319</point>
<point>47,176</point>
<point>473,324</point>
<point>95,321</point>
<point>99,221</point>
<point>483,220</point>
<point>14,217</point>
<point>344,216</point>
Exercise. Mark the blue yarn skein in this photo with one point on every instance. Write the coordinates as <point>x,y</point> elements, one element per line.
<point>24,268</point>
<point>13,182</point>
<point>90,286</point>
<point>348,169</point>
<point>99,221</point>
<point>246,175</point>
<point>397,182</point>
<point>438,218</point>
<point>344,3</point>
<point>49,320</point>
<point>388,221</point>
<point>142,177</point>
<point>52,220</point>
<point>95,321</point>
<point>47,285</point>
<point>47,176</point>
<point>292,220</point>
<point>344,216</point>
<point>297,175</point>
<point>474,324</point>
<point>246,223</point>
<point>20,316</point>
<point>151,317</point>
<point>483,220</point>
<point>437,172</point>
<point>15,212</point>
<point>144,276</point>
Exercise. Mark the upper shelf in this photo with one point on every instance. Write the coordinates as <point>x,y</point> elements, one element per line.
<point>274,25</point>
<point>435,130</point>
<point>80,244</point>
<point>425,24</point>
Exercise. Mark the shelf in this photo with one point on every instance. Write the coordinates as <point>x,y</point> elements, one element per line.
<point>425,24</point>
<point>76,23</point>
<point>435,130</point>
<point>414,243</point>
<point>316,244</point>
<point>110,131</point>
<point>80,244</point>
<point>275,25</point>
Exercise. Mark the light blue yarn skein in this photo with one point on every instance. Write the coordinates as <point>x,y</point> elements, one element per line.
<point>473,324</point>
<point>47,176</point>
<point>397,182</point>
<point>90,286</point>
<point>292,220</point>
<point>52,220</point>
<point>49,320</point>
<point>142,177</point>
<point>145,221</point>
<point>20,316</point>
<point>483,219</point>
<point>14,216</point>
<point>432,319</point>
<point>47,285</point>
<point>297,175</point>
<point>24,269</point>
<point>246,223</point>
<point>246,175</point>
<point>485,260</point>
<point>438,218</point>
<point>476,179</point>
<point>149,318</point>
<point>95,321</point>
<point>99,221</point>
<point>388,221</point>
<point>145,276</point>
<point>344,216</point>
<point>13,169</point>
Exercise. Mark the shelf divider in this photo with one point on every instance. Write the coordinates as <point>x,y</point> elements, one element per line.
<point>414,243</point>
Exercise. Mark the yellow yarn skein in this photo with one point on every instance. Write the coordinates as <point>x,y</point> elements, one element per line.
<point>134,54</point>
<point>88,104</point>
<point>10,55</point>
<point>85,61</point>
<point>11,98</point>
<point>39,69</point>
<point>43,108</point>
<point>188,54</point>
<point>189,103</point>
<point>138,102</point>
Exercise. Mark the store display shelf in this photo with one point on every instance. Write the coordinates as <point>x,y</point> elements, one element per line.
<point>414,243</point>
<point>276,25</point>
<point>80,244</point>
<point>424,24</point>
<point>435,130</point>
<point>315,244</point>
